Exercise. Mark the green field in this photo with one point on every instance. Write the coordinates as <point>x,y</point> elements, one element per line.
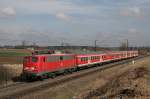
<point>13,56</point>
<point>13,52</point>
<point>4,54</point>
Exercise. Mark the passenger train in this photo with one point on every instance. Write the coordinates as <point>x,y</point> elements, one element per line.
<point>49,65</point>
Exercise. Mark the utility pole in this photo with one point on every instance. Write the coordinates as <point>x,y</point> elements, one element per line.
<point>34,45</point>
<point>95,44</point>
<point>62,44</point>
<point>23,43</point>
<point>127,44</point>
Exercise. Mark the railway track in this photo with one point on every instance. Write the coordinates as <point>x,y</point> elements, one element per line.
<point>11,85</point>
<point>23,89</point>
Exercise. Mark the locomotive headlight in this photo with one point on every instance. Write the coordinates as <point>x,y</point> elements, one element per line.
<point>29,68</point>
<point>26,68</point>
<point>32,68</point>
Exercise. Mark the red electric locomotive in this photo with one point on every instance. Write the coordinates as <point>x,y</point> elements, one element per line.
<point>39,66</point>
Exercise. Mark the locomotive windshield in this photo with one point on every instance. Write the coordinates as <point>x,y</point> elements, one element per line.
<point>34,59</point>
<point>26,59</point>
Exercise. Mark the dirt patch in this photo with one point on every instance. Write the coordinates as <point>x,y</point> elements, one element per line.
<point>137,73</point>
<point>132,84</point>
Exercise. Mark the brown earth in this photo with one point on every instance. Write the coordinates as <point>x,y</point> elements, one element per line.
<point>11,60</point>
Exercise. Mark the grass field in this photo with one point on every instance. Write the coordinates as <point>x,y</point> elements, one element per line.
<point>14,52</point>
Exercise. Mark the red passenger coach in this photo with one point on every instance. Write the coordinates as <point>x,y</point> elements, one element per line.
<point>95,58</point>
<point>88,59</point>
<point>82,60</point>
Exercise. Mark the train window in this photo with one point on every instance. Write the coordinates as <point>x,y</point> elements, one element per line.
<point>103,57</point>
<point>84,59</point>
<point>69,57</point>
<point>52,58</point>
<point>61,57</point>
<point>34,59</point>
<point>92,58</point>
<point>26,59</point>
<point>44,59</point>
<point>97,57</point>
<point>80,59</point>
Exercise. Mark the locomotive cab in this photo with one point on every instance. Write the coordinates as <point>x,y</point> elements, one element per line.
<point>30,63</point>
<point>30,66</point>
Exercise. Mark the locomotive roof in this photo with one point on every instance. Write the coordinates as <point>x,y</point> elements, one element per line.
<point>83,55</point>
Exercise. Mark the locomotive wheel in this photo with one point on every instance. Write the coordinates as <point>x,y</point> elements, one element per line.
<point>22,77</point>
<point>52,75</point>
<point>70,71</point>
<point>41,78</point>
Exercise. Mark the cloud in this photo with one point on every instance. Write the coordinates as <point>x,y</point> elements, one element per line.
<point>131,12</point>
<point>132,30</point>
<point>7,12</point>
<point>62,16</point>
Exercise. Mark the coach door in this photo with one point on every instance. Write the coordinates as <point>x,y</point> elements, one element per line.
<point>89,60</point>
<point>101,58</point>
<point>43,65</point>
<point>61,61</point>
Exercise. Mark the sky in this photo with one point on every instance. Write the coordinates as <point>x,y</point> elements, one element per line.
<point>77,22</point>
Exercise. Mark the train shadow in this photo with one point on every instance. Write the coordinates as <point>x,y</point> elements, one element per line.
<point>17,79</point>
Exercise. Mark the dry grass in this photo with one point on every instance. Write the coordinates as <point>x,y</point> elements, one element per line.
<point>9,72</point>
<point>134,84</point>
